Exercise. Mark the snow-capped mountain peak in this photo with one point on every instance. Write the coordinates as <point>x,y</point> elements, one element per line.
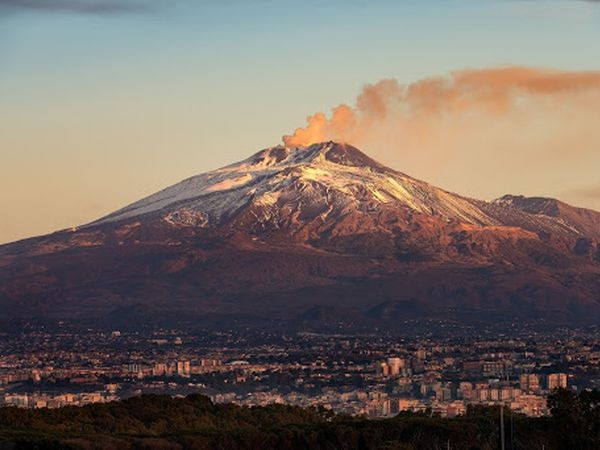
<point>324,175</point>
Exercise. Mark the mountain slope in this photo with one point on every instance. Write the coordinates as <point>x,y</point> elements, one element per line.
<point>584,222</point>
<point>290,231</point>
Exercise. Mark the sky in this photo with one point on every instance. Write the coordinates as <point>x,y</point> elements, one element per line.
<point>103,102</point>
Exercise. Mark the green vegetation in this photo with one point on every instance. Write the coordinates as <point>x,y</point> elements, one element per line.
<point>194,422</point>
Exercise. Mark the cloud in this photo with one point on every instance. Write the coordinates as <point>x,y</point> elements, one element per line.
<point>420,107</point>
<point>100,7</point>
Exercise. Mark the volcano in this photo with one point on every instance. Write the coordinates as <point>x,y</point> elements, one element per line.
<point>312,234</point>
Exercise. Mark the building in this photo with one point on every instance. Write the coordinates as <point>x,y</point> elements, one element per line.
<point>530,382</point>
<point>159,369</point>
<point>395,365</point>
<point>556,380</point>
<point>382,368</point>
<point>183,368</point>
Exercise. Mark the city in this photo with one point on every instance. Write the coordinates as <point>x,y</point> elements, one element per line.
<point>362,374</point>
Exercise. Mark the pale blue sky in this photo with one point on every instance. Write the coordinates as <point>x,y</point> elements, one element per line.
<point>99,109</point>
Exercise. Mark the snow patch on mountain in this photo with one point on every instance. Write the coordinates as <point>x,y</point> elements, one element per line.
<point>229,183</point>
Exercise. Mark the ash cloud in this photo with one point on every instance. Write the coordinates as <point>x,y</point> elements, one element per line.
<point>418,108</point>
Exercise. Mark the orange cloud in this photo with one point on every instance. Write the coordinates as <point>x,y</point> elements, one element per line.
<point>429,106</point>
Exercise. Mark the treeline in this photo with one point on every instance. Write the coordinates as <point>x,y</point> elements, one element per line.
<point>194,422</point>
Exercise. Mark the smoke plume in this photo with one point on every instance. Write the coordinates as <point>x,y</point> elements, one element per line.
<point>418,107</point>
